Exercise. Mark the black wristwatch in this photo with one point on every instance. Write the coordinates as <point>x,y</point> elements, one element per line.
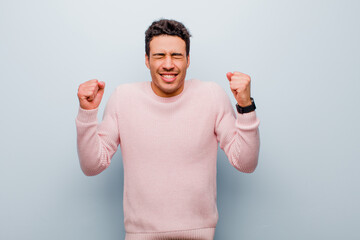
<point>246,109</point>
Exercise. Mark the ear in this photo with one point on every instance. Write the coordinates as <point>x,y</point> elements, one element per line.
<point>147,61</point>
<point>188,60</point>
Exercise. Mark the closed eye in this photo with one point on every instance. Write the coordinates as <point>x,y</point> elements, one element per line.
<point>176,55</point>
<point>158,55</point>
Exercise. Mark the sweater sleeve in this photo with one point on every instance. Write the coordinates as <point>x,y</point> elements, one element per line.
<point>97,142</point>
<point>237,134</point>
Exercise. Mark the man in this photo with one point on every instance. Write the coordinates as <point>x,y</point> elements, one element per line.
<point>168,130</point>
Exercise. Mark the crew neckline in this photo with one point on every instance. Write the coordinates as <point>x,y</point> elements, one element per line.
<point>166,99</point>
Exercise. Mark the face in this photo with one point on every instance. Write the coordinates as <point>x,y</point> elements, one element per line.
<point>168,63</point>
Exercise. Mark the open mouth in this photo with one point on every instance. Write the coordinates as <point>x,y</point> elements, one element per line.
<point>168,77</point>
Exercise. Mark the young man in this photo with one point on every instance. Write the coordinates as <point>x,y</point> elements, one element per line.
<point>168,129</point>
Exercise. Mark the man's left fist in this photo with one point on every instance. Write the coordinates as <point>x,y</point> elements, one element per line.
<point>240,87</point>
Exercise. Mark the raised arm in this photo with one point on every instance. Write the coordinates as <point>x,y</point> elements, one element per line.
<point>96,142</point>
<point>237,134</point>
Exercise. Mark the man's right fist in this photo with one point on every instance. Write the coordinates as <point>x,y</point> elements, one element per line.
<point>90,94</point>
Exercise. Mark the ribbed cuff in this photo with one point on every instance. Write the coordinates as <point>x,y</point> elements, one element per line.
<point>247,121</point>
<point>87,116</point>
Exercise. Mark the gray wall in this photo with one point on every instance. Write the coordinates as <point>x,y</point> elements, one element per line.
<point>304,60</point>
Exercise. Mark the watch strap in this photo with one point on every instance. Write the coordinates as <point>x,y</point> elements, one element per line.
<point>246,109</point>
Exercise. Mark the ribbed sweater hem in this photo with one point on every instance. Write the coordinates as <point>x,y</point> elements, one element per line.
<point>194,234</point>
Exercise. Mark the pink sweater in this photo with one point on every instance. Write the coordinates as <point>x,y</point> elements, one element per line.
<point>169,149</point>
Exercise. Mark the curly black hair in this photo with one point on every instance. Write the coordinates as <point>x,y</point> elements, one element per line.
<point>167,27</point>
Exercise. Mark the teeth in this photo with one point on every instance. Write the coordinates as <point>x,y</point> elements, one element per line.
<point>168,76</point>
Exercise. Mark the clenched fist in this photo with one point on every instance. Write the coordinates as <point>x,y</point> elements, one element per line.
<point>240,87</point>
<point>90,94</point>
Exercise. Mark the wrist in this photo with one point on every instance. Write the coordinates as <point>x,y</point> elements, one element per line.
<point>245,103</point>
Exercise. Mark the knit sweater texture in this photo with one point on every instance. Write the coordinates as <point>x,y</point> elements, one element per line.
<point>169,150</point>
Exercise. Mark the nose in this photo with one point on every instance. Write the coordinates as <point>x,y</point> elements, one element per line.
<point>168,63</point>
